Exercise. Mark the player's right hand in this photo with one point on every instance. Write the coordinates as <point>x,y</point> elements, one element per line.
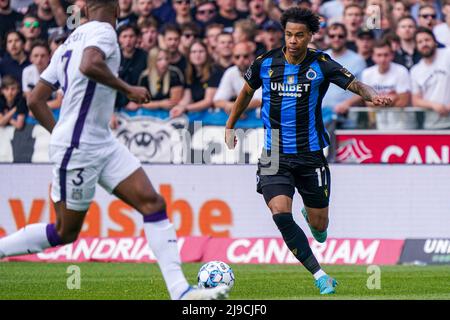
<point>138,94</point>
<point>230,138</point>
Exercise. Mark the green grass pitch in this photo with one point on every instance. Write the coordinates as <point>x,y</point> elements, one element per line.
<point>22,280</point>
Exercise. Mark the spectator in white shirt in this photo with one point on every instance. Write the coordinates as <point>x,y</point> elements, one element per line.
<point>431,81</point>
<point>442,31</point>
<point>39,58</point>
<point>233,81</point>
<point>393,80</point>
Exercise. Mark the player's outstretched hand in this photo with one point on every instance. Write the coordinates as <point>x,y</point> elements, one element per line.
<point>382,101</point>
<point>230,138</point>
<point>138,94</point>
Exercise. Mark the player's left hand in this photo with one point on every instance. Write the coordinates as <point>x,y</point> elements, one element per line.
<point>230,138</point>
<point>382,101</point>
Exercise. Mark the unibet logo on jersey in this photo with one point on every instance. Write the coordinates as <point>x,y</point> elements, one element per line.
<point>290,89</point>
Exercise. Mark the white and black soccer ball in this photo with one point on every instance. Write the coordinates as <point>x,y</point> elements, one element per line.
<point>215,273</point>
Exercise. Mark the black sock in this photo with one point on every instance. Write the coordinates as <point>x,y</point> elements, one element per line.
<point>296,240</point>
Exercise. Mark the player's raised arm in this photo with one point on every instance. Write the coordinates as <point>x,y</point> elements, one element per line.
<point>93,66</point>
<point>369,94</point>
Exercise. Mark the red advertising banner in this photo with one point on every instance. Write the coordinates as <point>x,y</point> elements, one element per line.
<point>230,250</point>
<point>333,251</point>
<point>405,147</point>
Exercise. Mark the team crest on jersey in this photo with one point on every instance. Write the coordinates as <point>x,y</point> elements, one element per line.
<point>290,79</point>
<point>311,74</point>
<point>77,194</point>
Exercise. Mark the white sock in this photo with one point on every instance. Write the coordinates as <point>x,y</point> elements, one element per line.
<point>30,239</point>
<point>318,274</point>
<point>161,238</point>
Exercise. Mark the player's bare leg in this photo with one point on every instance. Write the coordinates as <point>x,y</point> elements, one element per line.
<point>138,192</point>
<point>296,240</point>
<point>37,237</point>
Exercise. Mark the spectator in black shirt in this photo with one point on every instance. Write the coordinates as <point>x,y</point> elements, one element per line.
<point>246,30</point>
<point>407,55</point>
<point>31,29</point>
<point>365,41</point>
<point>149,34</point>
<point>13,107</point>
<point>272,36</point>
<point>202,81</point>
<point>352,19</point>
<point>228,14</point>
<point>9,20</point>
<point>224,51</point>
<point>205,13</point>
<point>164,82</point>
<point>171,40</point>
<point>183,11</point>
<point>258,13</point>
<point>133,62</point>
<point>126,15</point>
<point>15,59</point>
<point>189,32</point>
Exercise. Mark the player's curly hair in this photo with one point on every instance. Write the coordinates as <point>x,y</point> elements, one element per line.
<point>300,15</point>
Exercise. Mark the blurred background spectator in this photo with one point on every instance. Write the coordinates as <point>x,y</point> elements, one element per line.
<point>431,81</point>
<point>172,36</point>
<point>393,80</point>
<point>164,82</point>
<point>13,107</point>
<point>133,62</point>
<point>233,80</point>
<point>202,80</point>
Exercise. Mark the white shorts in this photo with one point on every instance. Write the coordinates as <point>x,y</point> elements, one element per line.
<point>76,172</point>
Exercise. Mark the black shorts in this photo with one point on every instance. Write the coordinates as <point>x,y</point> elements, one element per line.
<point>309,173</point>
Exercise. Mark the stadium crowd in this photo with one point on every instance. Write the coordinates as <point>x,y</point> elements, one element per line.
<point>192,55</point>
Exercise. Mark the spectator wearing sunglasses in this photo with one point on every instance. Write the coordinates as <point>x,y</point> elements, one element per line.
<point>442,31</point>
<point>9,20</point>
<point>428,19</point>
<point>205,13</point>
<point>233,79</point>
<point>48,23</point>
<point>31,29</point>
<point>435,3</point>
<point>15,59</point>
<point>189,32</point>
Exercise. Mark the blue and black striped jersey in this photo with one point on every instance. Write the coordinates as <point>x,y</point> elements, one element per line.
<point>292,98</point>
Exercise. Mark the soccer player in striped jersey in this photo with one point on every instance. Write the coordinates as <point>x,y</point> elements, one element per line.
<point>294,80</point>
<point>85,152</point>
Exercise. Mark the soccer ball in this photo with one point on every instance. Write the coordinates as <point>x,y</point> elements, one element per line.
<point>215,273</point>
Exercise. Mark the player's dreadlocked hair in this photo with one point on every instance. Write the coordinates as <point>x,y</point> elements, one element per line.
<point>300,15</point>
